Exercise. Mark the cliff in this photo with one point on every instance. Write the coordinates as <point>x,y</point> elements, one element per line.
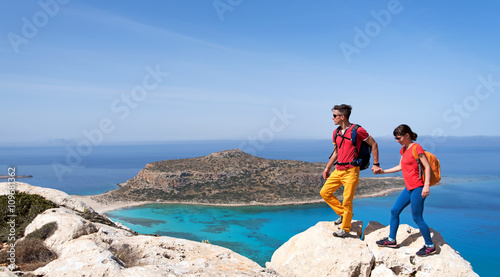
<point>83,246</point>
<point>235,177</point>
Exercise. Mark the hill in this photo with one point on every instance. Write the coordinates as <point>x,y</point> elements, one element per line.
<point>233,177</point>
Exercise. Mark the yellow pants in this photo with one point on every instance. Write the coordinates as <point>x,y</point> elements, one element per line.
<point>349,178</point>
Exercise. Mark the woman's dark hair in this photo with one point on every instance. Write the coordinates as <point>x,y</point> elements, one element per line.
<point>404,129</point>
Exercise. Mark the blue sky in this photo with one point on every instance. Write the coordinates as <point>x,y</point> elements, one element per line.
<point>137,71</point>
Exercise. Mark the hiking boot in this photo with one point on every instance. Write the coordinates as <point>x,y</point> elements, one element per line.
<point>385,242</point>
<point>426,251</point>
<point>338,221</point>
<point>341,233</point>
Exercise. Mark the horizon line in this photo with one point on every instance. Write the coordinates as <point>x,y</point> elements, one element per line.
<point>212,140</point>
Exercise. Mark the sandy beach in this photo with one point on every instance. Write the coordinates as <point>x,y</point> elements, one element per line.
<point>106,207</point>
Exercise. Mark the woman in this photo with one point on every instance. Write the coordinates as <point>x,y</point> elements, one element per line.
<point>415,190</point>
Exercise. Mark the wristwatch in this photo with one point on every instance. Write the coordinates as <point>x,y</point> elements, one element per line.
<point>377,164</point>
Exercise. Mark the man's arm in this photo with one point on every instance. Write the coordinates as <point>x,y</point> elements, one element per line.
<point>374,145</point>
<point>332,160</point>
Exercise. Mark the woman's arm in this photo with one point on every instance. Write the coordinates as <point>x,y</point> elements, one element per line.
<point>390,170</point>
<point>427,175</point>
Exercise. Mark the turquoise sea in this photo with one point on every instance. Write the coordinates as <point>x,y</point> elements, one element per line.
<point>464,209</point>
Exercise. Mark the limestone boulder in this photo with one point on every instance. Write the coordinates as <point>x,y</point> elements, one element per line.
<point>82,257</point>
<point>403,261</point>
<point>69,226</point>
<point>5,272</point>
<point>316,252</point>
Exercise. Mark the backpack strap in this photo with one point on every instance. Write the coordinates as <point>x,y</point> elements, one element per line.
<point>420,166</point>
<point>336,134</point>
<point>414,151</point>
<point>353,139</point>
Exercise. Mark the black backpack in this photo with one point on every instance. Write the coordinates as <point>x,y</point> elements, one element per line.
<point>362,158</point>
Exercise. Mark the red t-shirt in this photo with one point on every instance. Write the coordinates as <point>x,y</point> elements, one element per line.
<point>409,167</point>
<point>347,152</point>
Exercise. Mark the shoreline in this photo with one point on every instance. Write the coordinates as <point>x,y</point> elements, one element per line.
<point>107,207</point>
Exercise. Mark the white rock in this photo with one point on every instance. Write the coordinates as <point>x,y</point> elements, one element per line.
<point>69,226</point>
<point>316,252</point>
<point>90,249</point>
<point>82,257</point>
<point>5,272</point>
<point>403,260</point>
<point>382,271</point>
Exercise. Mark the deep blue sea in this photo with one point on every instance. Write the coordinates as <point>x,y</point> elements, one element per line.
<point>465,209</point>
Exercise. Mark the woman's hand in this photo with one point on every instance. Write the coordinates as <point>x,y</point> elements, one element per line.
<point>379,171</point>
<point>426,191</point>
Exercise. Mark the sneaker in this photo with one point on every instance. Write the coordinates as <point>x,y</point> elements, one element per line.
<point>426,251</point>
<point>341,233</point>
<point>338,221</point>
<point>385,242</point>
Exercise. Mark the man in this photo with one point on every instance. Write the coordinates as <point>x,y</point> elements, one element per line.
<point>345,173</point>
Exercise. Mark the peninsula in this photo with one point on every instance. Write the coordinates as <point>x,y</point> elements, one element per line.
<point>230,177</point>
<point>15,176</point>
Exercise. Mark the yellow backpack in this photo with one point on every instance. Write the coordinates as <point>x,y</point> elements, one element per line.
<point>434,163</point>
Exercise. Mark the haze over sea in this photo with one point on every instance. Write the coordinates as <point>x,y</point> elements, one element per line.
<point>464,209</point>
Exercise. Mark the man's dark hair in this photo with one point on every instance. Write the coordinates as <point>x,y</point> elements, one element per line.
<point>343,109</point>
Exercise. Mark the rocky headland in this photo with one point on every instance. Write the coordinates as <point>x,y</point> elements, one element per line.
<point>81,242</point>
<point>16,177</point>
<point>231,177</point>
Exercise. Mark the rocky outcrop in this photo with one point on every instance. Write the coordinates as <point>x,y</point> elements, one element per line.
<point>315,252</point>
<point>87,248</point>
<point>403,261</point>
<point>234,177</point>
<point>93,249</point>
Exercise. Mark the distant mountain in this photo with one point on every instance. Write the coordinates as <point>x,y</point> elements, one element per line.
<point>234,177</point>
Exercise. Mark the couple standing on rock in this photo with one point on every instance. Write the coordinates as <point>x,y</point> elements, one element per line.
<point>346,173</point>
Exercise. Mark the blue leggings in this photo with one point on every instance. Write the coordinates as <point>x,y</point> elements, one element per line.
<point>413,197</point>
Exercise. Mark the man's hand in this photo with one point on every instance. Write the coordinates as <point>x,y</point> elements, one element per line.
<point>326,173</point>
<point>377,170</point>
